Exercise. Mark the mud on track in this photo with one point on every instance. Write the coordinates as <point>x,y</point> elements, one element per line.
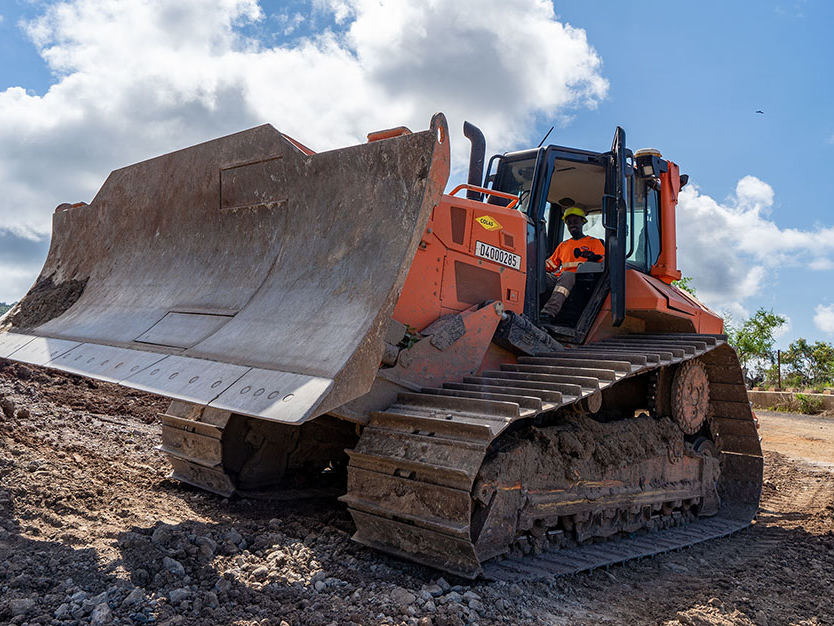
<point>92,531</point>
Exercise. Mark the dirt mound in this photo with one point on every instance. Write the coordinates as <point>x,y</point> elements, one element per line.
<point>83,394</point>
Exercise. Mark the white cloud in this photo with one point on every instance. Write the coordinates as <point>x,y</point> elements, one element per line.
<point>137,78</point>
<point>732,249</point>
<point>784,329</point>
<point>830,139</point>
<point>290,22</point>
<point>824,318</point>
<point>821,264</point>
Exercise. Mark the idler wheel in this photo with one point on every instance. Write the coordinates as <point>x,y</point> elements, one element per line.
<point>690,396</point>
<point>704,446</point>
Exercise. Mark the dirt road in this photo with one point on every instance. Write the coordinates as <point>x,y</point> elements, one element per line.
<point>806,438</point>
<point>92,531</point>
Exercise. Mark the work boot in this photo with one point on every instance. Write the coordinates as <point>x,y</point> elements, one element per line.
<point>554,305</point>
<point>564,283</point>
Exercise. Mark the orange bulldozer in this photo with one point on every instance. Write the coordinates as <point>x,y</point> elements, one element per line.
<point>336,318</point>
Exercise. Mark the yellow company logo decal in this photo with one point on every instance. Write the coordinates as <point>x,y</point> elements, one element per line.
<point>490,223</point>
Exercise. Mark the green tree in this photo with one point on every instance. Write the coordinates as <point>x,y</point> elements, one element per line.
<point>685,283</point>
<point>810,364</point>
<point>753,339</point>
<point>4,307</point>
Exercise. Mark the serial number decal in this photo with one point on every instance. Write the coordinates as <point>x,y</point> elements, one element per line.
<point>491,253</point>
<point>488,222</point>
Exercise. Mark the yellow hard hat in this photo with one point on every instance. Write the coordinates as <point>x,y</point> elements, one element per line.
<point>575,210</point>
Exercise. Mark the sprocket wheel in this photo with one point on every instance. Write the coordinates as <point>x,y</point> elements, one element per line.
<point>690,396</point>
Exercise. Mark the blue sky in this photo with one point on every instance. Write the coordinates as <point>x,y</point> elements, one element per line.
<point>84,90</point>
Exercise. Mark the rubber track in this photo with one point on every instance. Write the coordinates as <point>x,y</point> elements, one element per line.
<point>411,476</point>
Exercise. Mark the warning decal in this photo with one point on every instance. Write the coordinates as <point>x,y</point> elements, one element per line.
<point>489,222</point>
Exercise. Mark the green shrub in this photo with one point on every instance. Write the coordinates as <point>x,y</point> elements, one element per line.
<point>808,404</point>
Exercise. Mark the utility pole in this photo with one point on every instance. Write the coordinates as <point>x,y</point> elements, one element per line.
<point>779,369</point>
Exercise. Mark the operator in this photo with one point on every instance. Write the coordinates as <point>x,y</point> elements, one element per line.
<point>569,255</point>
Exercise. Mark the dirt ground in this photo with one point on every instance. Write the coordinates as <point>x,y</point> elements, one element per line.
<point>93,532</point>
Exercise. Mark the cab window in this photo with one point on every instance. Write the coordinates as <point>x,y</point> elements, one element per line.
<point>644,222</point>
<point>574,184</point>
<point>515,177</point>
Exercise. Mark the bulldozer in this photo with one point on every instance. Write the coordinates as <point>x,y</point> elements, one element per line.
<point>337,316</point>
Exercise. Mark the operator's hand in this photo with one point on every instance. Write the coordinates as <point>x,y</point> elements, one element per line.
<point>590,256</point>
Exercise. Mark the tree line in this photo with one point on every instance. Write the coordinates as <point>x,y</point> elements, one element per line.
<point>5,307</point>
<point>803,364</point>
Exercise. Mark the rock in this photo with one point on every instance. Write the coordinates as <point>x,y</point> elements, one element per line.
<point>8,407</point>
<point>173,566</point>
<point>101,615</point>
<point>162,534</point>
<point>234,536</point>
<point>96,600</point>
<point>402,597</point>
<point>425,621</point>
<point>210,600</point>
<point>23,414</point>
<point>222,585</point>
<point>62,612</point>
<point>476,605</point>
<point>276,557</point>
<point>175,596</point>
<point>207,546</point>
<point>141,577</point>
<point>259,573</point>
<point>471,595</point>
<point>78,596</point>
<point>320,585</point>
<point>21,606</point>
<point>435,590</point>
<point>134,598</point>
<point>454,608</point>
<point>453,596</point>
<point>441,582</point>
<point>33,466</point>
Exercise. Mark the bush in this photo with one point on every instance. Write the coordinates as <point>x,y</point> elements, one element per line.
<point>808,404</point>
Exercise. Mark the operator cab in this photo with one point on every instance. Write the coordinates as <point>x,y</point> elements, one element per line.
<point>621,203</point>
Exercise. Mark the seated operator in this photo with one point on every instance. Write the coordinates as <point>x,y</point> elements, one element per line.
<point>569,255</point>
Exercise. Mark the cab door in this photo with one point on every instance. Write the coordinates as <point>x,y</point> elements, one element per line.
<point>615,213</point>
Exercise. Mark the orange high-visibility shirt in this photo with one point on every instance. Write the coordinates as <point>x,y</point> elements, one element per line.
<point>566,257</point>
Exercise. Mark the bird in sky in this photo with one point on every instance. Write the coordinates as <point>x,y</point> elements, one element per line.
<point>761,112</point>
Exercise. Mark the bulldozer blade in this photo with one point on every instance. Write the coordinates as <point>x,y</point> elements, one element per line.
<point>244,273</point>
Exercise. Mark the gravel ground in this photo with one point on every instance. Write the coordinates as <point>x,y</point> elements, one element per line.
<point>93,532</point>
